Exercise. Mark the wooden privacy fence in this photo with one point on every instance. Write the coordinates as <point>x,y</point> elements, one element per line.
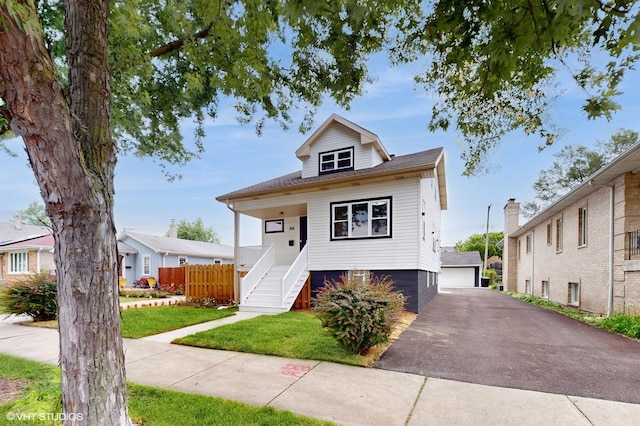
<point>215,282</point>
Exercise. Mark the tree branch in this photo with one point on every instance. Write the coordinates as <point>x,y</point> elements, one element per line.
<point>177,44</point>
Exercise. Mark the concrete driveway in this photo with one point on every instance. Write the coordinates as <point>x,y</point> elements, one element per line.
<point>486,337</point>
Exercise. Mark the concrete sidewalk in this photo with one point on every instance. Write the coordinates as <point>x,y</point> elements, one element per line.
<point>324,390</point>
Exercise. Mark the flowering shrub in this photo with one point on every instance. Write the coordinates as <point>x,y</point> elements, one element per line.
<point>36,296</point>
<point>359,314</point>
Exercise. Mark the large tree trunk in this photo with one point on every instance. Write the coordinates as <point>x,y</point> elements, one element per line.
<point>73,157</point>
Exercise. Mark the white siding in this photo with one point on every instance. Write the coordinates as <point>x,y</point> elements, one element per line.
<point>429,259</point>
<point>285,254</point>
<point>338,137</point>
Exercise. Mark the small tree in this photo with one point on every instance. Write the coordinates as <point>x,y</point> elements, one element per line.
<point>359,314</point>
<point>35,214</point>
<point>196,231</point>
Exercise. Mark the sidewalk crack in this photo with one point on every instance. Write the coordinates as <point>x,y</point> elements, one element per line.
<point>413,407</point>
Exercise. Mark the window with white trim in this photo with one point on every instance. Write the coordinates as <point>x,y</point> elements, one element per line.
<point>19,262</point>
<point>549,233</point>
<point>582,226</point>
<point>334,161</point>
<point>559,234</point>
<point>146,264</point>
<point>359,275</point>
<point>361,219</point>
<point>529,243</point>
<point>574,294</point>
<point>545,289</point>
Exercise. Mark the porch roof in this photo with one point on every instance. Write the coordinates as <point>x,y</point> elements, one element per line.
<point>418,164</point>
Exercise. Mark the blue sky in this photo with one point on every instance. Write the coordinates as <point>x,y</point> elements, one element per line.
<point>392,107</point>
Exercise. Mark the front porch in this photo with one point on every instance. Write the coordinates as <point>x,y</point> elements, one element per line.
<point>276,271</point>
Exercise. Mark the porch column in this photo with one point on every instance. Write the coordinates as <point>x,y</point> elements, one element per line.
<point>236,244</point>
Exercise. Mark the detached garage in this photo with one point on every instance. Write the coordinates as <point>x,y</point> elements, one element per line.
<point>460,269</point>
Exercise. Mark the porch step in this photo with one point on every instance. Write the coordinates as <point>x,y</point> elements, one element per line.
<point>265,297</point>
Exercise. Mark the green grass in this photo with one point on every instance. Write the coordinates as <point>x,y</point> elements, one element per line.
<point>148,406</point>
<point>142,322</point>
<point>291,334</point>
<point>618,323</point>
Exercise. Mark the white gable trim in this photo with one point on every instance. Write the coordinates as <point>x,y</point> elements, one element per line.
<point>366,137</point>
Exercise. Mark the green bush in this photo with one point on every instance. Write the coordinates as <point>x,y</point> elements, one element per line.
<point>359,314</point>
<point>493,277</point>
<point>623,324</point>
<point>35,296</point>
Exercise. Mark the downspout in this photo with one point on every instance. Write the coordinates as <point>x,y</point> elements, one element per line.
<point>611,247</point>
<point>533,260</point>
<point>236,243</point>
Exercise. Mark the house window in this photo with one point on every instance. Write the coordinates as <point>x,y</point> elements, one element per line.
<point>529,237</point>
<point>545,289</point>
<point>574,294</point>
<point>182,260</point>
<point>582,226</point>
<point>519,249</point>
<point>359,275</point>
<point>146,264</point>
<point>19,262</point>
<point>559,235</point>
<point>334,161</point>
<point>549,233</point>
<point>361,219</point>
<point>527,286</point>
<point>217,262</point>
<point>435,239</point>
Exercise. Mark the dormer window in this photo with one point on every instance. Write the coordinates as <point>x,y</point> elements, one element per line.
<point>335,161</point>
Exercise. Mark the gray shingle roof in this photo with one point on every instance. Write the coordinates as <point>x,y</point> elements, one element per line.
<point>9,233</point>
<point>423,160</point>
<point>461,258</point>
<point>181,247</point>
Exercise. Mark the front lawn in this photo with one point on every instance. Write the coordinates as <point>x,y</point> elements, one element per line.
<point>142,322</point>
<point>147,406</point>
<point>295,334</point>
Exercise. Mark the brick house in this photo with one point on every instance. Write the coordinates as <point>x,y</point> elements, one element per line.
<point>583,250</point>
<point>24,251</point>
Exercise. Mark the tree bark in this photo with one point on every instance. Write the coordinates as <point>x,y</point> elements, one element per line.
<point>73,157</point>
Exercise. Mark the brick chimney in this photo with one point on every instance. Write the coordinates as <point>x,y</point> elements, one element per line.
<point>173,229</point>
<point>17,223</point>
<point>509,252</point>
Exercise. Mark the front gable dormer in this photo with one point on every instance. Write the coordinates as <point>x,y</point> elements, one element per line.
<point>340,145</point>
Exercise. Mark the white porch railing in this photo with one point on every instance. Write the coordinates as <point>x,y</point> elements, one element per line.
<point>298,267</point>
<point>259,269</point>
<point>249,256</point>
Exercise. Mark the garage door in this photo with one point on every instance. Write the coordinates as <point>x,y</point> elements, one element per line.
<point>457,277</point>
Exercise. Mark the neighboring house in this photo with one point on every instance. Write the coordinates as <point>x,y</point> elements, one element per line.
<point>24,250</point>
<point>460,269</point>
<point>584,250</point>
<point>353,209</point>
<point>142,254</point>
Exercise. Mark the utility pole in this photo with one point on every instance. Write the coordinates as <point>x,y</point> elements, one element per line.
<point>486,245</point>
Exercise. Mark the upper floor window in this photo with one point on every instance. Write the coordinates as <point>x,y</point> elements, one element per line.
<point>338,160</point>
<point>582,226</point>
<point>549,234</point>
<point>19,262</point>
<point>529,243</point>
<point>361,219</point>
<point>559,234</point>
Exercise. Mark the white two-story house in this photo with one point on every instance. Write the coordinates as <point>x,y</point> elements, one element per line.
<point>353,209</point>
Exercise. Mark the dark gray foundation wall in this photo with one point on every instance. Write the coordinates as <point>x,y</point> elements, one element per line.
<point>415,285</point>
